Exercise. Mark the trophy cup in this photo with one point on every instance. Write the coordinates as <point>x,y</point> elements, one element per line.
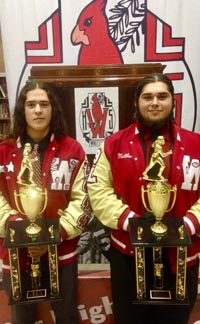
<point>158,192</point>
<point>31,201</point>
<point>165,232</point>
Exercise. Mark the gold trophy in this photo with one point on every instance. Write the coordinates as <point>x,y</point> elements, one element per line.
<point>157,199</point>
<point>158,190</point>
<point>33,202</point>
<point>32,199</point>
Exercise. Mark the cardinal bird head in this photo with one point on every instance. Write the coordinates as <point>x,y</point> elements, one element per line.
<point>92,32</point>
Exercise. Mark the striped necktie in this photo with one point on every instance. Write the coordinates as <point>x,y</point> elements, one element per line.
<point>37,174</point>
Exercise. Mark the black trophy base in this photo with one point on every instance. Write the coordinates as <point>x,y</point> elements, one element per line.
<point>35,296</point>
<point>32,292</point>
<point>150,239</point>
<point>162,297</point>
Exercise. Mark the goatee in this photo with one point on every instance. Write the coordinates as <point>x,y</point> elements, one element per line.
<point>154,125</point>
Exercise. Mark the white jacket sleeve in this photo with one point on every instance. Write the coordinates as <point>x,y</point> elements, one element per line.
<point>76,215</point>
<point>5,212</point>
<point>105,204</point>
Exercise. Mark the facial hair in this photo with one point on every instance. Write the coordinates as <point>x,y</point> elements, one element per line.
<point>154,125</point>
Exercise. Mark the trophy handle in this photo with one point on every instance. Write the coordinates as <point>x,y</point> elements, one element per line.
<point>16,201</point>
<point>174,190</point>
<point>45,201</point>
<point>143,199</point>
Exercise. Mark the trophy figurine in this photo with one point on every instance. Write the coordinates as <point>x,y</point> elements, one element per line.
<point>158,190</point>
<point>31,197</point>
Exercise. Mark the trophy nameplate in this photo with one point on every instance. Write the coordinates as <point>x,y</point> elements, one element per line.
<point>160,294</point>
<point>35,294</point>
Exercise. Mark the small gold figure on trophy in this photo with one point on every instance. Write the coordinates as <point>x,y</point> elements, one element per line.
<point>158,191</point>
<point>181,232</point>
<point>139,233</point>
<point>27,164</point>
<point>157,158</point>
<point>12,235</point>
<point>51,231</point>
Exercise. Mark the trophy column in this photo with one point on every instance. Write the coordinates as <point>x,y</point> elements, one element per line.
<point>140,273</point>
<point>16,293</point>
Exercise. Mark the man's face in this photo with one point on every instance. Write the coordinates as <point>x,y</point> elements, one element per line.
<point>155,104</point>
<point>38,114</point>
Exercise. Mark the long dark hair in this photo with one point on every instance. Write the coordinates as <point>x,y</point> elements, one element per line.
<point>58,124</point>
<point>151,78</point>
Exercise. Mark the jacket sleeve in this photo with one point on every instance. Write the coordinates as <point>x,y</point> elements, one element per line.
<point>192,219</point>
<point>5,212</point>
<point>75,216</point>
<point>106,205</point>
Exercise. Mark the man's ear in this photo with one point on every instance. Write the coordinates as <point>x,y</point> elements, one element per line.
<point>134,110</point>
<point>174,103</point>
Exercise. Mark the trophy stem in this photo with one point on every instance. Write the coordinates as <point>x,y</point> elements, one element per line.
<point>159,228</point>
<point>35,273</point>
<point>33,230</point>
<point>158,267</point>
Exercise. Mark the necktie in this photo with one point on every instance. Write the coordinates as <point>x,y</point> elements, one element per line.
<point>36,166</point>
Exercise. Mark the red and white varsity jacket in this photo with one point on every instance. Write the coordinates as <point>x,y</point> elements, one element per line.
<point>64,172</point>
<point>116,178</point>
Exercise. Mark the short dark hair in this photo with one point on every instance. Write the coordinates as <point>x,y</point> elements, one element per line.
<point>58,124</point>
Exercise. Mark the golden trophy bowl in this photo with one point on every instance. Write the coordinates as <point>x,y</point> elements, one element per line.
<point>158,190</point>
<point>158,195</point>
<point>33,202</point>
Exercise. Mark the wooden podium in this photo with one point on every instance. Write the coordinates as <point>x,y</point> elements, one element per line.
<point>65,79</point>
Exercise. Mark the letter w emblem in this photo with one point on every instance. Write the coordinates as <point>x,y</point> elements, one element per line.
<point>191,173</point>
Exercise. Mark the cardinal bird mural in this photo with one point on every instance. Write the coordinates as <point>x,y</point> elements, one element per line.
<point>92,32</point>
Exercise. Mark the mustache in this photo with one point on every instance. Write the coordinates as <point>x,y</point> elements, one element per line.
<point>154,125</point>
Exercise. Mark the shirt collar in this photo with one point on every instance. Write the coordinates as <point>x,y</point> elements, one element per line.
<point>42,145</point>
<point>149,134</point>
